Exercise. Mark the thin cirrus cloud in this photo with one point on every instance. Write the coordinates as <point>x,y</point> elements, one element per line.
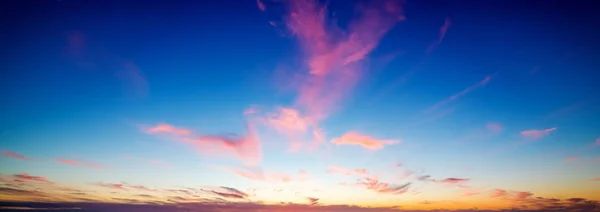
<point>333,59</point>
<point>354,138</point>
<point>115,186</point>
<point>15,155</point>
<point>247,147</point>
<point>595,179</point>
<point>462,93</point>
<point>79,163</point>
<point>494,127</point>
<point>312,201</point>
<point>345,171</point>
<point>454,180</point>
<point>258,174</point>
<point>26,177</point>
<point>571,159</point>
<point>228,192</point>
<point>168,129</point>
<point>536,134</point>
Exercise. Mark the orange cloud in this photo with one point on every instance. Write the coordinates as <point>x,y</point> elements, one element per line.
<point>353,138</point>
<point>168,129</point>
<point>26,177</point>
<point>459,94</point>
<point>536,134</point>
<point>78,163</point>
<point>10,154</point>
<point>571,159</point>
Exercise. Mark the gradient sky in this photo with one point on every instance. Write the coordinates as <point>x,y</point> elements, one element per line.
<point>306,104</point>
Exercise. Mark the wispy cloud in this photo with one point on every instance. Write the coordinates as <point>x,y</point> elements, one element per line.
<point>494,127</point>
<point>595,179</point>
<point>79,163</point>
<point>11,154</point>
<point>345,171</point>
<point>536,134</point>
<point>443,29</point>
<point>26,177</point>
<point>354,138</point>
<point>462,93</point>
<point>139,187</point>
<point>334,59</point>
<point>373,184</point>
<point>228,192</point>
<point>312,201</point>
<point>258,174</point>
<point>597,143</point>
<point>571,159</point>
<point>167,129</point>
<point>261,5</point>
<point>247,148</point>
<point>116,186</point>
<point>454,180</point>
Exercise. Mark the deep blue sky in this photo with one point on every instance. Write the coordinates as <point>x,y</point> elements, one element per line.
<point>68,90</point>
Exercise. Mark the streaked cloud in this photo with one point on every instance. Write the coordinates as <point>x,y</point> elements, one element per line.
<point>454,180</point>
<point>258,174</point>
<point>116,186</point>
<point>571,159</point>
<point>595,179</point>
<point>11,154</point>
<point>536,134</point>
<point>168,129</point>
<point>443,30</point>
<point>261,5</point>
<point>312,201</point>
<point>79,163</point>
<point>354,138</point>
<point>494,127</point>
<point>247,148</point>
<point>462,93</point>
<point>345,171</point>
<point>597,143</point>
<point>228,192</point>
<point>26,177</point>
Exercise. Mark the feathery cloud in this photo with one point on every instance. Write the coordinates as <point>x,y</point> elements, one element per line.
<point>312,201</point>
<point>536,134</point>
<point>459,94</point>
<point>353,138</point>
<point>79,163</point>
<point>27,177</point>
<point>116,186</point>
<point>571,159</point>
<point>168,129</point>
<point>11,154</point>
<point>494,127</point>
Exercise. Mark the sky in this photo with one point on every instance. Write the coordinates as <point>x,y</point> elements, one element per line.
<point>300,105</point>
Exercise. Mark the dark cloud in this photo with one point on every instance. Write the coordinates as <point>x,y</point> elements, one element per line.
<point>313,201</point>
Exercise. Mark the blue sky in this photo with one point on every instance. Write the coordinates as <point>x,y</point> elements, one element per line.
<point>481,96</point>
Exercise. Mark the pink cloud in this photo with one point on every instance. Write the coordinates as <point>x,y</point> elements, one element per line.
<point>345,171</point>
<point>373,184</point>
<point>353,138</point>
<point>261,5</point>
<point>10,154</point>
<point>454,180</point>
<point>168,129</point>
<point>571,159</point>
<point>26,177</point>
<point>288,120</point>
<point>536,134</point>
<point>459,94</point>
<point>443,29</point>
<point>499,193</point>
<point>138,187</point>
<point>494,127</point>
<point>79,163</point>
<point>111,185</point>
<point>250,111</point>
<point>597,142</point>
<point>595,179</point>
<point>247,147</point>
